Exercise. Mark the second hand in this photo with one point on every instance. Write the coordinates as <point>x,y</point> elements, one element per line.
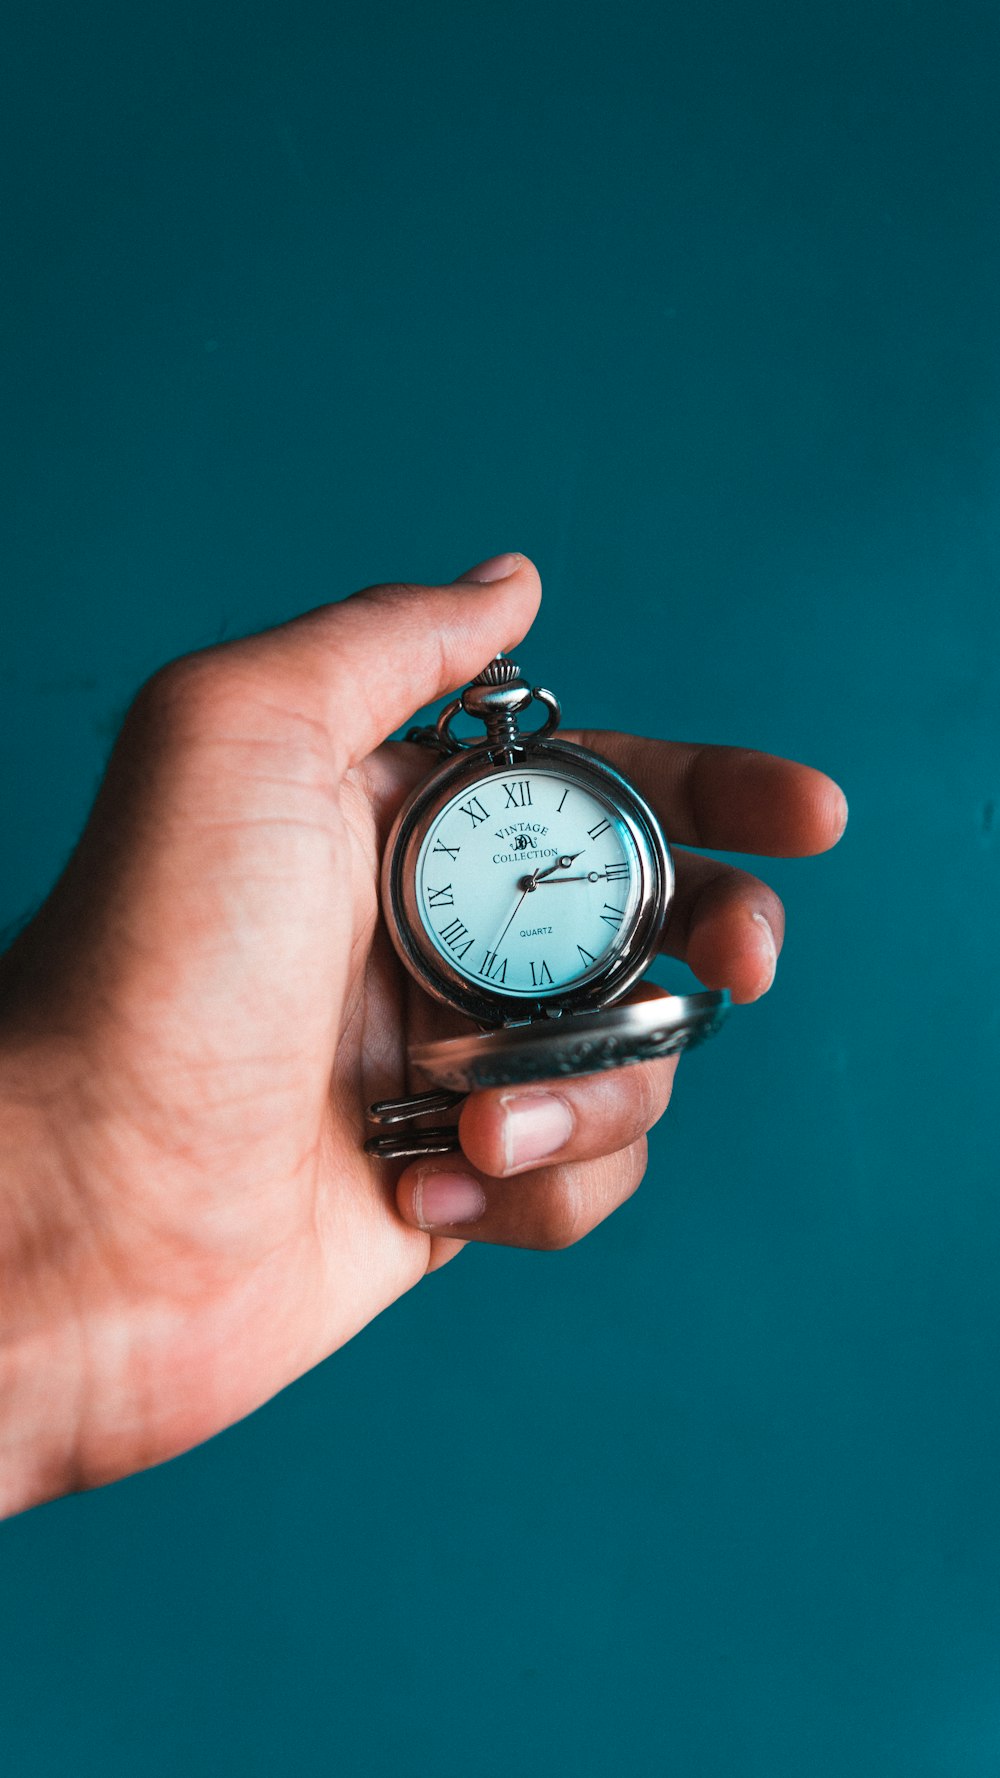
<point>530,884</point>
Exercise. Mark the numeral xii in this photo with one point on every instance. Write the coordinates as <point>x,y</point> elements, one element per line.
<point>518,794</point>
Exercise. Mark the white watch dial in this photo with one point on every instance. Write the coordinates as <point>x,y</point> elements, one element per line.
<point>527,882</point>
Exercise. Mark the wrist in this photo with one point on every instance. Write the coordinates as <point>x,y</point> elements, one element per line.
<point>41,1344</point>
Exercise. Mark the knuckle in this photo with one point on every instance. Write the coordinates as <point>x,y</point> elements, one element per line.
<point>636,1160</point>
<point>185,695</point>
<point>481,1138</point>
<point>620,1105</point>
<point>651,1091</point>
<point>608,743</point>
<point>387,594</point>
<point>561,1217</point>
<point>579,1197</point>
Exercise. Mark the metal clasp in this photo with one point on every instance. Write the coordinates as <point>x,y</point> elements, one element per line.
<point>410,1140</point>
<point>496,697</point>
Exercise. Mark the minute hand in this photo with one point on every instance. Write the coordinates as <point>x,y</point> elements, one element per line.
<point>590,876</point>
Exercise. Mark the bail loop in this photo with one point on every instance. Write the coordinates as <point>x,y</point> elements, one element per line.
<point>496,698</point>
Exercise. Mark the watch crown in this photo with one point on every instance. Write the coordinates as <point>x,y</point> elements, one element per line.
<point>495,696</point>
<point>500,671</point>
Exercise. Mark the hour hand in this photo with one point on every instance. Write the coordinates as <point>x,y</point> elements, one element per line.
<point>562,863</point>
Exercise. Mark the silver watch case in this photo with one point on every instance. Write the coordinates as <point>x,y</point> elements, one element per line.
<point>587,1043</point>
<point>607,981</point>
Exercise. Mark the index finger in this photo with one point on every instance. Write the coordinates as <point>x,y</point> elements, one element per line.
<point>728,798</point>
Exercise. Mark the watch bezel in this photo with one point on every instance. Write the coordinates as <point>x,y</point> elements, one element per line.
<point>488,1006</point>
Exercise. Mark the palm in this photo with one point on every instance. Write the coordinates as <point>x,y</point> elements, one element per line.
<point>254,1030</point>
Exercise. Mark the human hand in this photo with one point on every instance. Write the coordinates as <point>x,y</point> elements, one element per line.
<point>194,1023</point>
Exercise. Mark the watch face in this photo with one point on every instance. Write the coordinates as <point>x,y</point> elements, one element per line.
<point>529,883</point>
<point>525,882</point>
<point>513,892</point>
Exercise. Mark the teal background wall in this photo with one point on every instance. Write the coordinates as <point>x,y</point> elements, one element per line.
<point>697,305</point>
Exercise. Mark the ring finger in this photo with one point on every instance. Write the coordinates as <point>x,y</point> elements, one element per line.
<point>726,924</point>
<point>548,1208</point>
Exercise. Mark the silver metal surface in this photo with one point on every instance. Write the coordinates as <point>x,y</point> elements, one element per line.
<point>613,1037</point>
<point>403,1111</point>
<point>409,1145</point>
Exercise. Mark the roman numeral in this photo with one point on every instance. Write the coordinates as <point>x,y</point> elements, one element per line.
<point>441,898</point>
<point>587,958</point>
<point>596,832</point>
<point>518,795</point>
<point>562,799</point>
<point>543,976</point>
<point>475,811</point>
<point>613,916</point>
<point>452,851</point>
<point>493,968</point>
<point>453,935</point>
<point>613,872</point>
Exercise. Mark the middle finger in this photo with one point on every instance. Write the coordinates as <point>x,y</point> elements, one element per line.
<point>507,1130</point>
<point>725,924</point>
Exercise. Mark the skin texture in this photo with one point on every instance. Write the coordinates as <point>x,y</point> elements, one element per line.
<point>192,1027</point>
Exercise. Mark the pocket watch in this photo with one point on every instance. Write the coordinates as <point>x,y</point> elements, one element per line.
<point>526,884</point>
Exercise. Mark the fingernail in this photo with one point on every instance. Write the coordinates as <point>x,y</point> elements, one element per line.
<point>842,813</point>
<point>497,568</point>
<point>440,1198</point>
<point>535,1125</point>
<point>769,949</point>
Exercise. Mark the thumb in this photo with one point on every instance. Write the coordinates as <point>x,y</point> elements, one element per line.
<point>209,855</point>
<point>363,666</point>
